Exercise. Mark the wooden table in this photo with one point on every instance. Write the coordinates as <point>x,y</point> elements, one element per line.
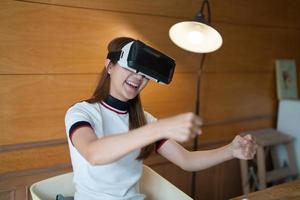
<point>286,191</point>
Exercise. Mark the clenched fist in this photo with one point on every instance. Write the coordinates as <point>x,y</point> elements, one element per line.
<point>180,128</point>
<point>243,147</point>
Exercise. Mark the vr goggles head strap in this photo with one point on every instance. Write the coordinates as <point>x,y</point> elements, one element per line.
<point>114,55</point>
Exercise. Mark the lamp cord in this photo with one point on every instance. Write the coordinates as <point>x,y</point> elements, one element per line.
<point>205,3</point>
<point>197,112</point>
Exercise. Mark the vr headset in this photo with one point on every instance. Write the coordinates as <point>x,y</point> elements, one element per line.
<point>142,59</point>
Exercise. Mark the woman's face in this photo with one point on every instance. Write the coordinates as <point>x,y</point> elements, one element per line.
<point>124,84</point>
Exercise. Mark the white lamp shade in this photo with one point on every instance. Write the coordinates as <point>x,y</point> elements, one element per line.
<point>195,37</point>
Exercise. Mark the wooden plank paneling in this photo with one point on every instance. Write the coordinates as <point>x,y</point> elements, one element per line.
<point>279,13</point>
<point>14,161</point>
<point>237,95</point>
<point>212,184</point>
<point>41,39</point>
<point>159,99</point>
<point>19,108</point>
<point>33,107</point>
<point>169,108</point>
<point>50,57</point>
<point>171,8</point>
<point>182,179</point>
<point>6,195</point>
<point>81,49</point>
<point>230,130</point>
<point>254,12</point>
<point>181,88</point>
<point>217,182</point>
<point>252,48</point>
<point>19,185</point>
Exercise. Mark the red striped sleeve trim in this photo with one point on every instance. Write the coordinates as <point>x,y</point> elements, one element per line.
<point>76,126</point>
<point>158,144</point>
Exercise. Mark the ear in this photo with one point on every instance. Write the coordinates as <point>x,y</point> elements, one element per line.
<point>106,64</point>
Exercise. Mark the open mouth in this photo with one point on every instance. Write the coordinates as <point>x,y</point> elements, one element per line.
<point>132,84</point>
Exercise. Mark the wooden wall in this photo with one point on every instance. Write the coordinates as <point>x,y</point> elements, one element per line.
<point>51,53</point>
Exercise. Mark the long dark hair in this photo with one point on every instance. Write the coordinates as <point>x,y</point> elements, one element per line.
<point>136,113</point>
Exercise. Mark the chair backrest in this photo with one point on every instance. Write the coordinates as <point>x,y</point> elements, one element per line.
<point>48,189</point>
<point>154,186</point>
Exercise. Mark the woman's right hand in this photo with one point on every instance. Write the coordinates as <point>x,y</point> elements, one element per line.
<point>181,128</point>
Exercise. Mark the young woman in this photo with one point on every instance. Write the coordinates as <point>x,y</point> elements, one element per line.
<point>110,135</point>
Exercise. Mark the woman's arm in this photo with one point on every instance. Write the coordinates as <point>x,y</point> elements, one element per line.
<point>240,147</point>
<point>111,148</point>
<point>105,150</point>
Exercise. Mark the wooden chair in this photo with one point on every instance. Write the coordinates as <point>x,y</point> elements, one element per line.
<point>154,186</point>
<point>268,139</point>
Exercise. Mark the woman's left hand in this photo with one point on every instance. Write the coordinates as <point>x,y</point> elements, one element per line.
<point>243,147</point>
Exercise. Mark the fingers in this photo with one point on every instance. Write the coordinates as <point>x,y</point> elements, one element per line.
<point>248,152</point>
<point>195,132</point>
<point>246,140</point>
<point>191,126</point>
<point>197,121</point>
<point>248,137</point>
<point>249,147</point>
<point>245,147</point>
<point>194,123</point>
<point>239,140</point>
<point>183,127</point>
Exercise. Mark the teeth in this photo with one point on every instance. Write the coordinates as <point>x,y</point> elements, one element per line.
<point>132,84</point>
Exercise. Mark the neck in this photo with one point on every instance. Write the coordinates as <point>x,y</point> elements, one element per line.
<point>116,103</point>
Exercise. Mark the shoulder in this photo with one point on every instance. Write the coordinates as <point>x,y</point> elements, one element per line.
<point>83,106</point>
<point>83,109</point>
<point>83,112</point>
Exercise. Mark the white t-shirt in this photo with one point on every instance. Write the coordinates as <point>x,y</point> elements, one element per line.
<point>114,181</point>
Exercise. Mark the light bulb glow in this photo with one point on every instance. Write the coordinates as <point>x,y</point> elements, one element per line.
<point>195,37</point>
